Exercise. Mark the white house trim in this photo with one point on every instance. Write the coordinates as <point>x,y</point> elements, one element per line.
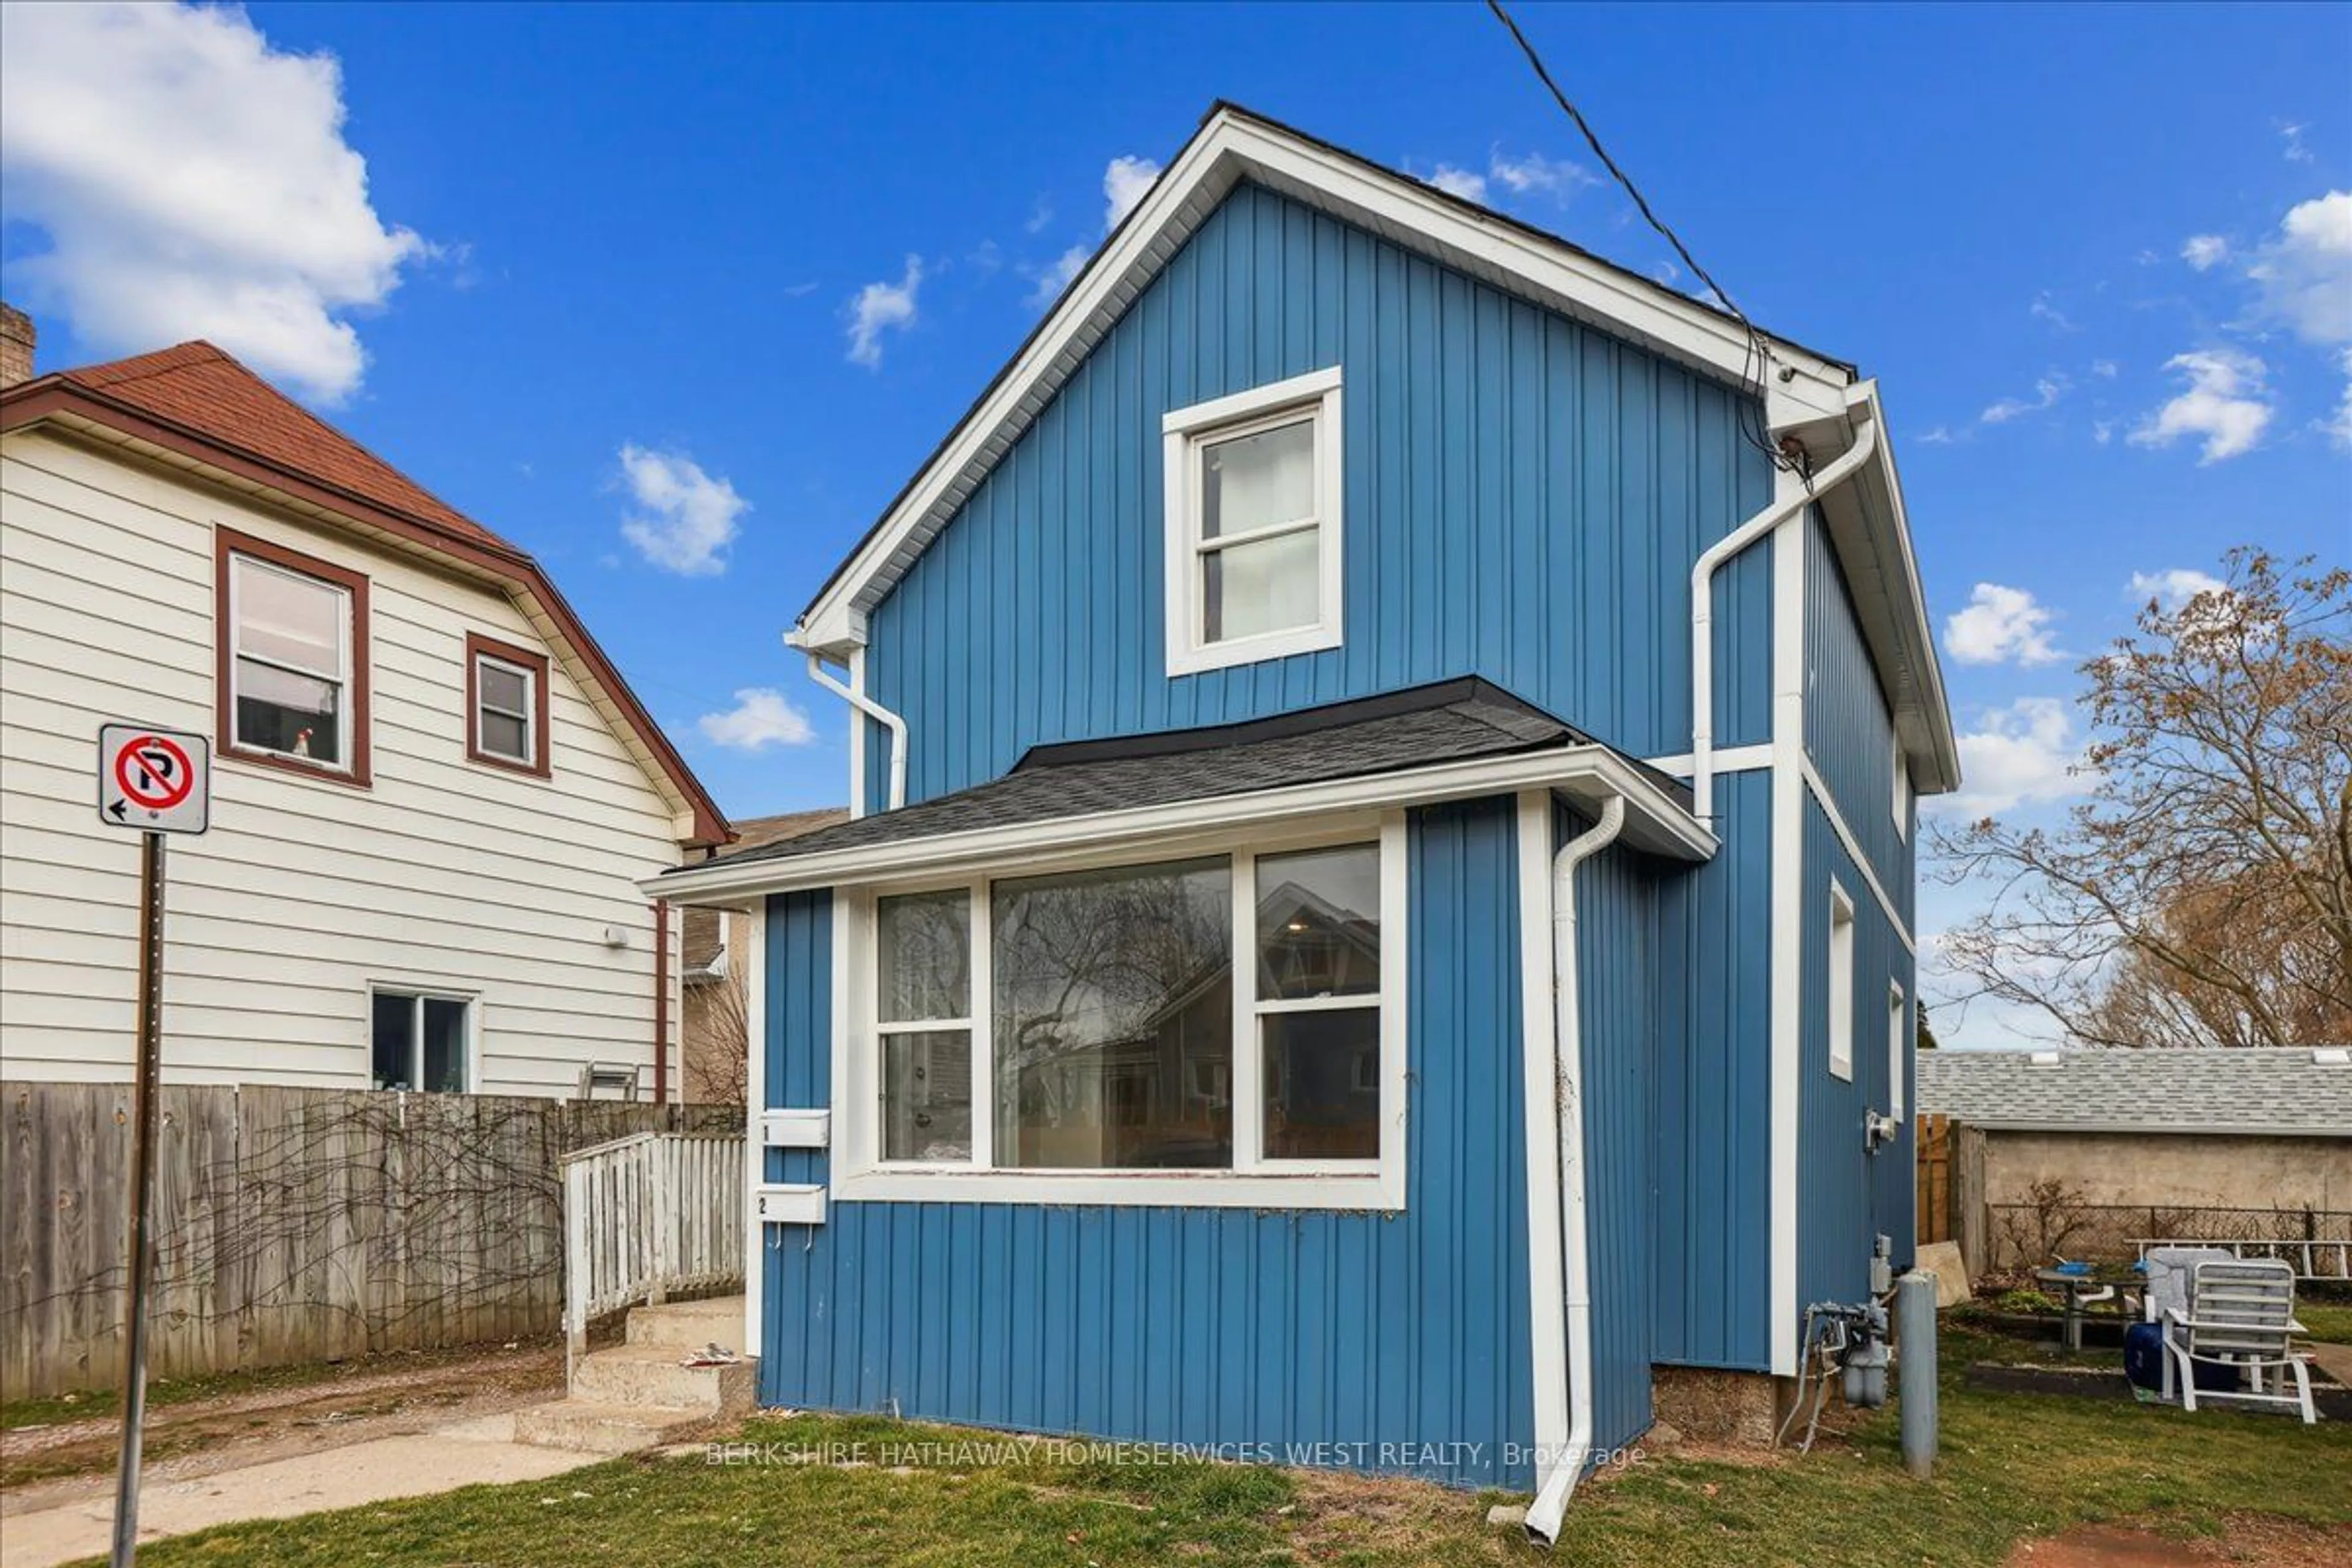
<point>1655,822</point>
<point>860,1174</point>
<point>755,1102</point>
<point>1828,803</point>
<point>1733,760</point>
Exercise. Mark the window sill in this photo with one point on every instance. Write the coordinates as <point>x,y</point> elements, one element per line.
<point>509,766</point>
<point>1368,1188</point>
<point>1258,649</point>
<point>358,778</point>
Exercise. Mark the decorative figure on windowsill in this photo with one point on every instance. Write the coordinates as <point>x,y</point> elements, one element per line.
<point>302,742</point>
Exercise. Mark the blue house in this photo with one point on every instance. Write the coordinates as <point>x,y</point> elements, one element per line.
<point>1378,924</point>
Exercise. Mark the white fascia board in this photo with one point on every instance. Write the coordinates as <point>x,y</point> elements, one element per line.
<point>1656,821</point>
<point>1231,146</point>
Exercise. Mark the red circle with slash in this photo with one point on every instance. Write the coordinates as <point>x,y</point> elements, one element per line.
<point>146,784</point>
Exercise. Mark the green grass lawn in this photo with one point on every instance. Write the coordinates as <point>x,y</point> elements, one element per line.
<point>2013,1466</point>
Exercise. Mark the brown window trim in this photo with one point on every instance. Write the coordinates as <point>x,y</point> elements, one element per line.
<point>476,645</point>
<point>227,542</point>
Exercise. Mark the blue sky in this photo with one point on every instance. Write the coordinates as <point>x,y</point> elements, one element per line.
<point>604,264</point>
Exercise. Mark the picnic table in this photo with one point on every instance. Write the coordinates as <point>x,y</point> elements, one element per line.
<point>2084,1286</point>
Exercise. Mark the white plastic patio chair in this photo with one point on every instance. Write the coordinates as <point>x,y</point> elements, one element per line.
<point>2241,1314</point>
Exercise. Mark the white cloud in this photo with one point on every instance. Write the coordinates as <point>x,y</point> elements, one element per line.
<point>2295,151</point>
<point>2103,431</point>
<point>2225,403</point>
<point>2045,310</point>
<point>2105,369</point>
<point>760,719</point>
<point>1041,213</point>
<point>1125,180</point>
<point>882,307</point>
<point>1537,174</point>
<point>2023,754</point>
<point>2339,428</point>
<point>1055,276</point>
<point>2047,389</point>
<point>2174,586</point>
<point>2000,625</point>
<point>191,181</point>
<point>1467,184</point>
<point>685,518</point>
<point>2205,251</point>
<point>1939,436</point>
<point>2305,271</point>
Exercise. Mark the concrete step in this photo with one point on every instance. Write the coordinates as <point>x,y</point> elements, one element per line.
<point>588,1427</point>
<point>689,1325</point>
<point>651,1375</point>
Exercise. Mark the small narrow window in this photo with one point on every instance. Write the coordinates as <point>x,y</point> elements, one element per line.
<point>923,960</point>
<point>1902,771</point>
<point>1898,1050</point>
<point>1841,984</point>
<point>1253,541</point>
<point>506,703</point>
<point>1318,1002</point>
<point>292,661</point>
<point>421,1041</point>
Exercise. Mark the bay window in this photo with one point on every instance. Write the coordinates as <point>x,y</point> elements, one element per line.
<point>1223,1028</point>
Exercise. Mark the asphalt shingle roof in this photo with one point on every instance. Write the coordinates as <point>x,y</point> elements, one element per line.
<point>1449,722</point>
<point>2285,1091</point>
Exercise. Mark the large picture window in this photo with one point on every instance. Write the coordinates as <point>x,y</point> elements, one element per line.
<point>1207,1022</point>
<point>292,659</point>
<point>1254,524</point>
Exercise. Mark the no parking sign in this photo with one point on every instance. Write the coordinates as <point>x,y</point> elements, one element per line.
<point>153,781</point>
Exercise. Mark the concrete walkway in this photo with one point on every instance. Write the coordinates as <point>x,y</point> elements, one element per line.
<point>472,1452</point>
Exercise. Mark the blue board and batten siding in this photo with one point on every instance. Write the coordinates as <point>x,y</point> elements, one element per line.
<point>1200,1325</point>
<point>1524,497</point>
<point>1847,1195</point>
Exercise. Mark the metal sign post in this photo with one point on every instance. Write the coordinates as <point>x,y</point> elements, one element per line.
<point>156,782</point>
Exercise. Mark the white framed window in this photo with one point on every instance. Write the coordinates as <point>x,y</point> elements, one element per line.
<point>422,1039</point>
<point>1254,524</point>
<point>1901,768</point>
<point>504,722</point>
<point>1898,1049</point>
<point>1841,984</point>
<point>1218,1028</point>
<point>289,664</point>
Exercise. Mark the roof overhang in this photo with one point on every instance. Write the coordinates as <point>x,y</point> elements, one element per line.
<point>87,414</point>
<point>1586,775</point>
<point>1870,534</point>
<point>1233,146</point>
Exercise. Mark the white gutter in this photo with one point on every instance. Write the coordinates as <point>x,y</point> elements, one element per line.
<point>872,710</point>
<point>1545,1513</point>
<point>1842,468</point>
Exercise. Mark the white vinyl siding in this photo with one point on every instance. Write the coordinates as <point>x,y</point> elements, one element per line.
<point>442,877</point>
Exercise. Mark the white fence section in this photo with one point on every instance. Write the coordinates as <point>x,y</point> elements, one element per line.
<point>647,1216</point>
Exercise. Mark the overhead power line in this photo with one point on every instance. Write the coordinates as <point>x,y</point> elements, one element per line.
<point>1756,362</point>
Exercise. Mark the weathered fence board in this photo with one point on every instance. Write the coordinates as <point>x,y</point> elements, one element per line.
<point>291,1225</point>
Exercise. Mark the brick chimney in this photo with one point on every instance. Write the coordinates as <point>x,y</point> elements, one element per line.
<point>15,345</point>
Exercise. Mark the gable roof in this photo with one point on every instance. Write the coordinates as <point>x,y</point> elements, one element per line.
<point>195,404</point>
<point>2296,1092</point>
<point>1807,393</point>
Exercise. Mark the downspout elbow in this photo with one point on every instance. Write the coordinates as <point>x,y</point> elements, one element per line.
<point>873,710</point>
<point>1550,1506</point>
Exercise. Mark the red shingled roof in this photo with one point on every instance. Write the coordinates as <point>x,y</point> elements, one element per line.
<point>197,386</point>
<point>197,400</point>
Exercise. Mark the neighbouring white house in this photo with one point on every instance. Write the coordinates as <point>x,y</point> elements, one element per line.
<point>432,794</point>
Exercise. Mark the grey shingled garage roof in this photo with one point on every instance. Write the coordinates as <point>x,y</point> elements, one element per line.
<point>1452,721</point>
<point>2297,1092</point>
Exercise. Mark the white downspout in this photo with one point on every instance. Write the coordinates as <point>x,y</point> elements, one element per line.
<point>1568,1074</point>
<point>1842,468</point>
<point>873,710</point>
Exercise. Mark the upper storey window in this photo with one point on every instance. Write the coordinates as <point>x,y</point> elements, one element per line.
<point>293,668</point>
<point>1254,524</point>
<point>507,705</point>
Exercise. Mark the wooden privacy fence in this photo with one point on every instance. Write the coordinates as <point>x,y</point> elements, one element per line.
<point>647,1216</point>
<point>1950,1188</point>
<point>292,1225</point>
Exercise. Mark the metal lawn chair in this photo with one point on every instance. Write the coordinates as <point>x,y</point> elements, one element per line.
<point>2240,1314</point>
